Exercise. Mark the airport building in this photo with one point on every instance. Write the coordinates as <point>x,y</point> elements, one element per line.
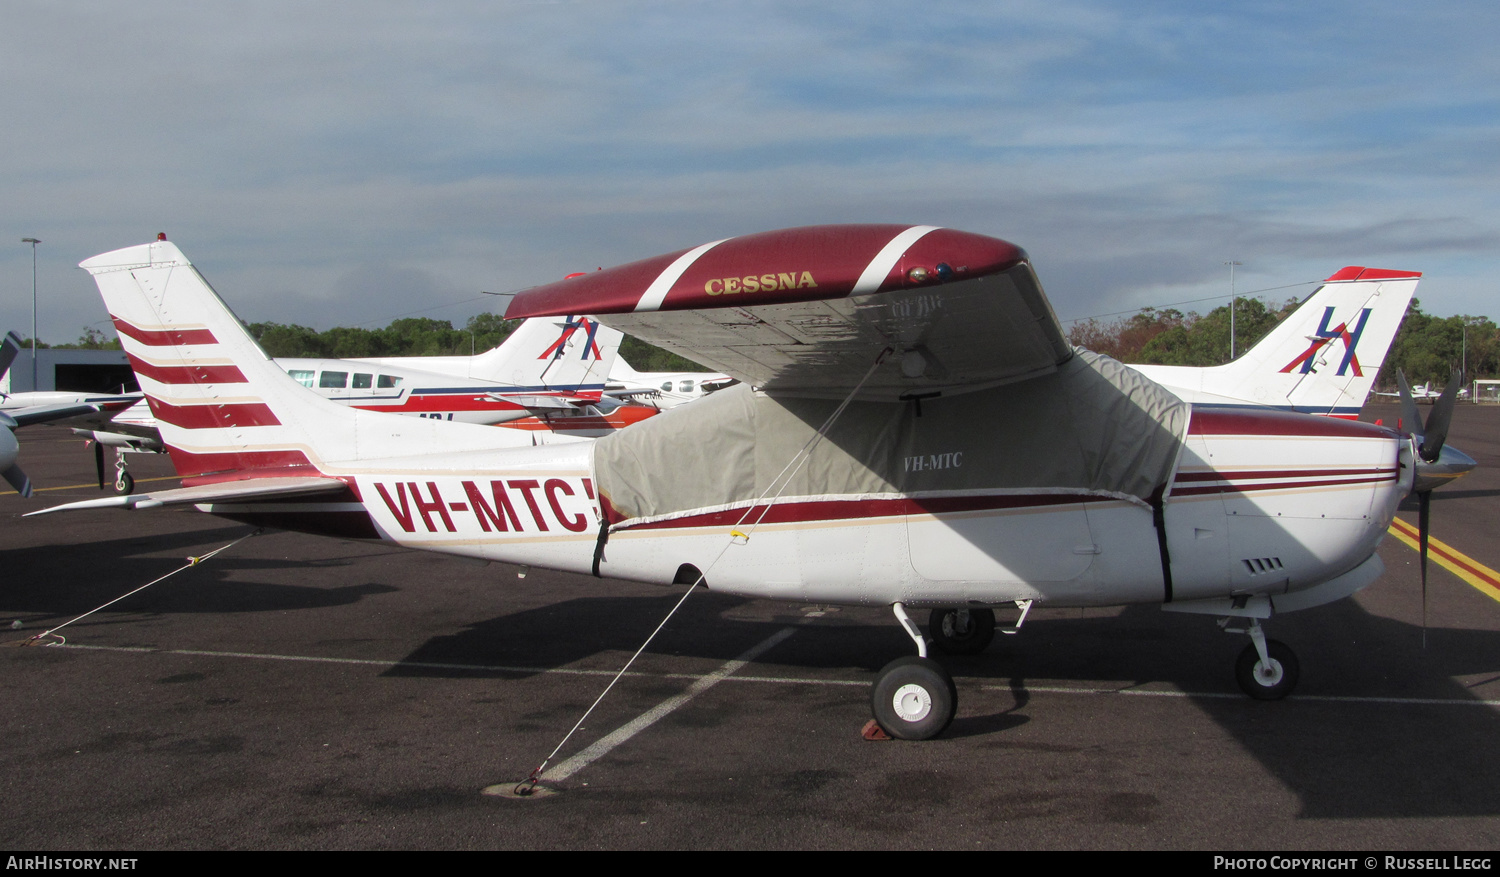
<point>80,371</point>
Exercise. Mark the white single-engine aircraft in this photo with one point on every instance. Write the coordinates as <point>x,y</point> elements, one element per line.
<point>912,430</point>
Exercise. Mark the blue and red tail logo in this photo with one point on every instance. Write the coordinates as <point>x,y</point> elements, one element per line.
<point>569,326</point>
<point>1327,336</point>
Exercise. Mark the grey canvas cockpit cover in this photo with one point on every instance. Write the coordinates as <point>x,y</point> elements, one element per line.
<point>1094,426</point>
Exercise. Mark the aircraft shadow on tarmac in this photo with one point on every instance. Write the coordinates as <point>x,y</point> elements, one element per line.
<point>1343,758</point>
<point>47,582</point>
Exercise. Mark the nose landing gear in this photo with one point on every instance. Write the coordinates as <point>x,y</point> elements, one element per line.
<point>1267,669</point>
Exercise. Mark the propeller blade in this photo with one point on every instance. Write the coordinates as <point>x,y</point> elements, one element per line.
<point>1436,433</point>
<point>1424,508</point>
<point>18,479</point>
<point>1411,420</point>
<point>99,461</point>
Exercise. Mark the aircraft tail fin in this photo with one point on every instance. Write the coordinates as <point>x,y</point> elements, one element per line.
<point>9,349</point>
<point>566,354</point>
<point>1321,359</point>
<point>224,409</point>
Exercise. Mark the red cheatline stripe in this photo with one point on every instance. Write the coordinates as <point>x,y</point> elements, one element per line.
<point>1280,485</point>
<point>1208,421</point>
<point>165,337</point>
<point>1280,473</point>
<point>187,374</point>
<point>214,416</point>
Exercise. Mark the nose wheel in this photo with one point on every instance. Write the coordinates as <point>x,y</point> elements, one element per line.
<point>1267,669</point>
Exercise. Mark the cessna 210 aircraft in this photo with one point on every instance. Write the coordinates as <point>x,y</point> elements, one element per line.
<point>912,430</point>
<point>548,376</point>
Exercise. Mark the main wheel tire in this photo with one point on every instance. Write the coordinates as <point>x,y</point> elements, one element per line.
<point>124,483</point>
<point>961,632</point>
<point>1264,682</point>
<point>914,698</point>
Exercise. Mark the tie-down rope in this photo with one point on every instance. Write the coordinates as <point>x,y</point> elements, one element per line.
<point>191,562</point>
<point>528,785</point>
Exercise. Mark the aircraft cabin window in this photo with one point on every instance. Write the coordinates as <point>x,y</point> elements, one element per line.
<point>302,376</point>
<point>333,380</point>
<point>685,387</point>
<point>386,382</point>
<point>362,382</point>
<point>667,387</point>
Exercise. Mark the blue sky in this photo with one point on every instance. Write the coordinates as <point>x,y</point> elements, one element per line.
<point>347,163</point>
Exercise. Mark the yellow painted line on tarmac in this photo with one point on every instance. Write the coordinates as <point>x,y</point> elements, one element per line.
<point>1484,579</point>
<point>94,485</point>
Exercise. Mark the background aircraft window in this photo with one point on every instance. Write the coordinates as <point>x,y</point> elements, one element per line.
<point>302,376</point>
<point>362,382</point>
<point>685,387</point>
<point>667,387</point>
<point>386,382</point>
<point>334,380</point>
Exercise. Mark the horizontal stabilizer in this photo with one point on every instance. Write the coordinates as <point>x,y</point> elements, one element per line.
<point>49,413</point>
<point>223,491</point>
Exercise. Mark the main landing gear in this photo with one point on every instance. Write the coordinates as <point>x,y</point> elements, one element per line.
<point>1267,669</point>
<point>914,698</point>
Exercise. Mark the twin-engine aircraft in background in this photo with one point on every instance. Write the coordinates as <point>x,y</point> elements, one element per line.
<point>46,406</point>
<point>662,390</point>
<point>912,430</point>
<point>548,376</point>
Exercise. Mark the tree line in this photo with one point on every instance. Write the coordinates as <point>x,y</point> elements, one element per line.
<point>1426,348</point>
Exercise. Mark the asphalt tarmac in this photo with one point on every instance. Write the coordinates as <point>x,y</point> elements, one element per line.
<point>297,692</point>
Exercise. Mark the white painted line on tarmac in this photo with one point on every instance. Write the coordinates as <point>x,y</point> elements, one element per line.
<point>773,680</point>
<point>1195,695</point>
<point>645,720</point>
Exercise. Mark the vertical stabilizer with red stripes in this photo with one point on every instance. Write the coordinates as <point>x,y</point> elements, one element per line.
<point>225,410</point>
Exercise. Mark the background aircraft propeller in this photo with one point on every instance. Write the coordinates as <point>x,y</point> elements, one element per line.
<point>9,447</point>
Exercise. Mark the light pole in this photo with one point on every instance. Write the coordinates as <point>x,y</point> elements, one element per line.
<point>1231,309</point>
<point>33,242</point>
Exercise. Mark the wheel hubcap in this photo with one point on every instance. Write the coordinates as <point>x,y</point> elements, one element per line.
<point>912,703</point>
<point>1268,674</point>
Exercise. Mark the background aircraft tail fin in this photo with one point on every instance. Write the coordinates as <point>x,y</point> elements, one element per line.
<point>1323,358</point>
<point>571,354</point>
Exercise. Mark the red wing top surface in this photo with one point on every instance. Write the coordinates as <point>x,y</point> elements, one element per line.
<point>808,310</point>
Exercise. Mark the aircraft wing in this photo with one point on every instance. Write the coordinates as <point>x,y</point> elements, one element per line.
<point>223,491</point>
<point>807,311</point>
<point>540,404</point>
<point>82,413</point>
